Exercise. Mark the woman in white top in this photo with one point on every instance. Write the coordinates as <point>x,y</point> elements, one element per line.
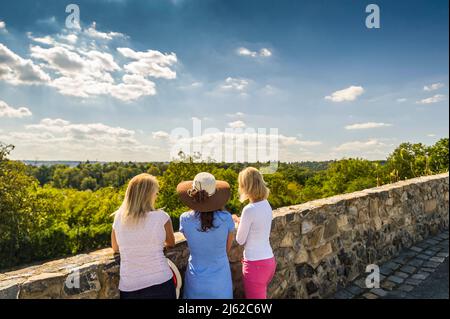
<point>139,234</point>
<point>258,265</point>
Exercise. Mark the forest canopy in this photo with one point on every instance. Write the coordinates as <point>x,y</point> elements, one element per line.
<point>50,211</point>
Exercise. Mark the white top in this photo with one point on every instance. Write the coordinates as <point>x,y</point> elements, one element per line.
<point>142,261</point>
<point>254,230</point>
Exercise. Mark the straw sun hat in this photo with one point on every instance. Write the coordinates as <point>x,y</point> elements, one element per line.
<point>204,193</point>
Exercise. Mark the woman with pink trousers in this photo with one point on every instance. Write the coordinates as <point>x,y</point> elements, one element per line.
<point>258,265</point>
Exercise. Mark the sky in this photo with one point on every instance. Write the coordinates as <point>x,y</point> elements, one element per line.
<point>134,80</point>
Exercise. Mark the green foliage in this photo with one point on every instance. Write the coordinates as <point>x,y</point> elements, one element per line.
<point>53,211</point>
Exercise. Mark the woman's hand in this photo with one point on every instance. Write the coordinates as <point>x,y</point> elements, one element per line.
<point>236,218</point>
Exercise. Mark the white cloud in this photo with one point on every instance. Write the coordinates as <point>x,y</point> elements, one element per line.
<point>237,124</point>
<point>3,27</point>
<point>17,70</point>
<point>434,99</point>
<point>348,94</point>
<point>309,143</point>
<point>402,100</point>
<point>90,135</point>
<point>88,69</point>
<point>235,84</point>
<point>8,111</point>
<point>44,40</point>
<point>264,52</point>
<point>359,145</point>
<point>150,63</point>
<point>196,84</point>
<point>93,33</point>
<point>433,87</point>
<point>60,139</point>
<point>132,88</point>
<point>246,52</point>
<point>368,125</point>
<point>431,135</point>
<point>71,38</point>
<point>237,114</point>
<point>160,135</point>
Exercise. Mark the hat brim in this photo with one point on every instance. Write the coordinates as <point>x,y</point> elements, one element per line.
<point>211,203</point>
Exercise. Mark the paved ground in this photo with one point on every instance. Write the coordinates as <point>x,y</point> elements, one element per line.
<point>420,272</point>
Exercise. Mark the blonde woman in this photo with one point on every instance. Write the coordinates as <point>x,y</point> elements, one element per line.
<point>258,265</point>
<point>139,234</point>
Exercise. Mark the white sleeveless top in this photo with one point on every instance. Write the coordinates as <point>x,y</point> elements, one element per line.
<point>142,261</point>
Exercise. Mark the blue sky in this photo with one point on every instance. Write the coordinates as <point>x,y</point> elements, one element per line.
<point>115,88</point>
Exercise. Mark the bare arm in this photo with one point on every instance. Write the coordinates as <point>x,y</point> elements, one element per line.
<point>230,241</point>
<point>114,244</point>
<point>170,237</point>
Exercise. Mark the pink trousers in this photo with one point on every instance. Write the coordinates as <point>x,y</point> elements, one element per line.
<point>257,275</point>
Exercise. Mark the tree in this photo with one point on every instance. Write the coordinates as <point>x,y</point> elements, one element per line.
<point>439,157</point>
<point>88,183</point>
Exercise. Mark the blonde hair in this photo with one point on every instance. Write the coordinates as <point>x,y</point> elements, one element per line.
<point>139,198</point>
<point>252,185</point>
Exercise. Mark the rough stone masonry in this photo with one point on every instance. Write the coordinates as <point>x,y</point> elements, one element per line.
<point>319,246</point>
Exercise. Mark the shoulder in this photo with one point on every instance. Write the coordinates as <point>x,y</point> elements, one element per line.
<point>224,215</point>
<point>117,219</point>
<point>249,208</point>
<point>160,214</point>
<point>187,215</point>
<point>255,208</point>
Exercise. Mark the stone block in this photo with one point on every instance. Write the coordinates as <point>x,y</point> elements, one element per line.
<point>331,228</point>
<point>307,226</point>
<point>302,256</point>
<point>430,206</point>
<point>287,241</point>
<point>9,289</point>
<point>342,222</point>
<point>315,237</point>
<point>43,286</point>
<point>319,253</point>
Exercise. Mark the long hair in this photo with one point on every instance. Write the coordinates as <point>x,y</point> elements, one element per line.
<point>252,185</point>
<point>139,198</point>
<point>206,218</point>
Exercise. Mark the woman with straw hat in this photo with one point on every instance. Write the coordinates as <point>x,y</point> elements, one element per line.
<point>209,231</point>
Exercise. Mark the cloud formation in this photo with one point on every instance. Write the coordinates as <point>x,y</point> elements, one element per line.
<point>356,146</point>
<point>76,64</point>
<point>264,52</point>
<point>10,112</point>
<point>368,125</point>
<point>237,124</point>
<point>348,94</point>
<point>235,84</point>
<point>434,99</point>
<point>16,70</point>
<point>433,87</point>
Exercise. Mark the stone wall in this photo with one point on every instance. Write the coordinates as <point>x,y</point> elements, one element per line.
<point>319,245</point>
